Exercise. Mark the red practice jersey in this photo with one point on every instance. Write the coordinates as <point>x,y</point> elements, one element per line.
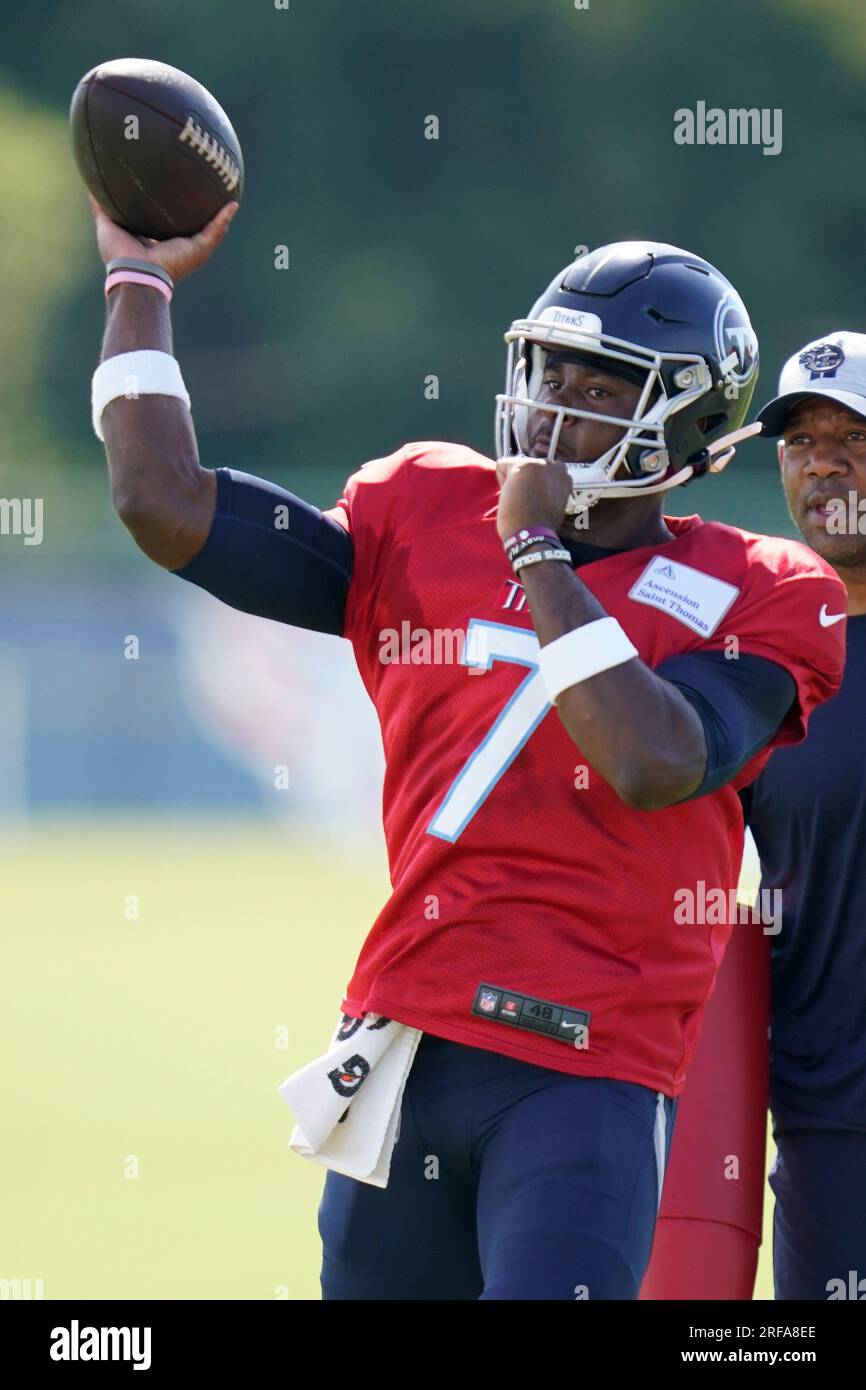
<point>533,912</point>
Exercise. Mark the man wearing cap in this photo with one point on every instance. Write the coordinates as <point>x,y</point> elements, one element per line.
<point>807,813</point>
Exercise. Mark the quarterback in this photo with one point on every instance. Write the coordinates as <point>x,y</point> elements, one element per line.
<point>549,797</point>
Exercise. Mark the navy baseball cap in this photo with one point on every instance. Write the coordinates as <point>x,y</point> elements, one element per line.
<point>834,366</point>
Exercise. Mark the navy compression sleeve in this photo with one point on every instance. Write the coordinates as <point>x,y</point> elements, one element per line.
<point>292,565</point>
<point>741,705</point>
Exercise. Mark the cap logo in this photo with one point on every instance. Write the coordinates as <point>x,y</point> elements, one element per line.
<point>824,360</point>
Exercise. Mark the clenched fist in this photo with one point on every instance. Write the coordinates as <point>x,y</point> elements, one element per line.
<point>534,493</point>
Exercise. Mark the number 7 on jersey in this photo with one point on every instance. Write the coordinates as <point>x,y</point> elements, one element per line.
<point>487,642</point>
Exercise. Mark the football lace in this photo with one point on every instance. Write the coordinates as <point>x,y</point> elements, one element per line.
<point>213,152</point>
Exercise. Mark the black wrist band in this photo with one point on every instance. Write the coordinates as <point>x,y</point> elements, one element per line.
<point>527,544</point>
<point>142,267</point>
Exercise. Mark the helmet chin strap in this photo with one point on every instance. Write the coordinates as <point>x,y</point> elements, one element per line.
<point>715,458</point>
<point>583,497</point>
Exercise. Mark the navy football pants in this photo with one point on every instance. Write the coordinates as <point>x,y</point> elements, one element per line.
<point>508,1181</point>
<point>819,1227</point>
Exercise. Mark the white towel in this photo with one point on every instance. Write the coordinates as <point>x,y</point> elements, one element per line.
<point>347,1102</point>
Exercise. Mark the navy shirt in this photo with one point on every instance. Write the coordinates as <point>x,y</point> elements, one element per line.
<point>807,812</point>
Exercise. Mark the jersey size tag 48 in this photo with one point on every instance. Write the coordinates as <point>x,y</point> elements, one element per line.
<point>559,1021</point>
<point>699,600</point>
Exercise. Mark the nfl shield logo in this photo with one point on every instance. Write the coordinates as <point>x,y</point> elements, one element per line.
<point>488,1001</point>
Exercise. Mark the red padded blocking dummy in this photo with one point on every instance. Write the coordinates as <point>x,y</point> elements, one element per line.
<point>709,1229</point>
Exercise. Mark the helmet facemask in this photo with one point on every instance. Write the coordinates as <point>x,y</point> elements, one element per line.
<point>639,463</point>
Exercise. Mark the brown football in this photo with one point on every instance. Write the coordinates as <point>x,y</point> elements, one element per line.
<point>156,150</point>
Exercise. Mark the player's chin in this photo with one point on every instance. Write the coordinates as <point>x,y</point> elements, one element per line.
<point>835,549</point>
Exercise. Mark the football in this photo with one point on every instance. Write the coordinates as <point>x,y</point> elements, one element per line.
<point>155,149</point>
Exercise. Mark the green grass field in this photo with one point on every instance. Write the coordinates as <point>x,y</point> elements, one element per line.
<point>152,1041</point>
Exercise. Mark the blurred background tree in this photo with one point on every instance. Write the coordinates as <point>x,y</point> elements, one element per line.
<point>410,256</point>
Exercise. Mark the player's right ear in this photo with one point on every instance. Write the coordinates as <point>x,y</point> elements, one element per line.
<point>780,449</point>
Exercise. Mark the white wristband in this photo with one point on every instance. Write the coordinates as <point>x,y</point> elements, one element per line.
<point>134,374</point>
<point>583,652</point>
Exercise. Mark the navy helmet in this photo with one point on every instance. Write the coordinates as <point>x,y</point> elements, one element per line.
<point>659,316</point>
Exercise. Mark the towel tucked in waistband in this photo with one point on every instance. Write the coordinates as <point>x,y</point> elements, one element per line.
<point>347,1102</point>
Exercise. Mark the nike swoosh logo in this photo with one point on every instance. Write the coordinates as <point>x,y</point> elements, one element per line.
<point>828,619</point>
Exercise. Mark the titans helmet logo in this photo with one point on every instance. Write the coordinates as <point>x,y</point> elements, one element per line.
<point>734,333</point>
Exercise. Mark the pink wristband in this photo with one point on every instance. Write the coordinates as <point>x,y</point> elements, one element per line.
<point>132,277</point>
